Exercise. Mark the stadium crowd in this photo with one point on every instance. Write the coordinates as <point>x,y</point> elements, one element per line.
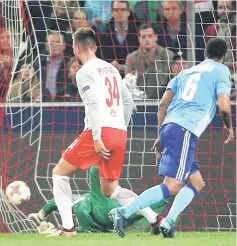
<point>146,40</point>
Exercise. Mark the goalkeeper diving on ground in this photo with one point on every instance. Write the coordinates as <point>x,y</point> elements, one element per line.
<point>91,210</point>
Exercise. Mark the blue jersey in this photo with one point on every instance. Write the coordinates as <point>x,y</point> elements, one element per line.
<point>195,95</point>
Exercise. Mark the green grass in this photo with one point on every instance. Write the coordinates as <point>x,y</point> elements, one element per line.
<point>132,239</point>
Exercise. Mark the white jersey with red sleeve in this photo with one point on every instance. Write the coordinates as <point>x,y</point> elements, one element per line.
<point>100,86</point>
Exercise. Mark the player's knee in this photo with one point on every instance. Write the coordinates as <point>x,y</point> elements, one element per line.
<point>199,185</point>
<point>174,189</point>
<point>112,192</point>
<point>107,192</point>
<point>63,168</point>
<point>108,186</point>
<point>55,171</point>
<point>196,181</point>
<point>173,185</point>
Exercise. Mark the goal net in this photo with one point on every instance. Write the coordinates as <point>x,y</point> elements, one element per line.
<point>41,115</point>
<point>18,147</point>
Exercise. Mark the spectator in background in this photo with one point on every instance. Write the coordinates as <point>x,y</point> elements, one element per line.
<point>26,87</point>
<point>223,27</point>
<point>120,38</point>
<point>203,13</point>
<point>79,19</point>
<point>6,62</point>
<point>151,62</point>
<point>146,11</point>
<point>179,63</point>
<point>53,67</point>
<point>62,12</point>
<point>203,18</point>
<point>99,13</point>
<point>173,34</point>
<point>72,91</point>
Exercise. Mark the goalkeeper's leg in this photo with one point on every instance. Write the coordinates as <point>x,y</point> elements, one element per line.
<point>48,208</point>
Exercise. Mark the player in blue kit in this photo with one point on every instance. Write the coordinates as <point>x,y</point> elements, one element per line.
<point>186,109</point>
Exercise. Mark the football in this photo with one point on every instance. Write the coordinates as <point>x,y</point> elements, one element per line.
<point>18,192</point>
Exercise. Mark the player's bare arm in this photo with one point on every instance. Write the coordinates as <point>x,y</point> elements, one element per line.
<point>225,112</point>
<point>164,104</point>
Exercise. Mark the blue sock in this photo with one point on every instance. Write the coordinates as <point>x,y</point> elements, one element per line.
<point>147,198</point>
<point>181,201</point>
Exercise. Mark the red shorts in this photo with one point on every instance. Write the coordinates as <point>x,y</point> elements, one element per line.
<point>81,153</point>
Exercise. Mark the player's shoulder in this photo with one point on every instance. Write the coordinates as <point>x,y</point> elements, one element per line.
<point>87,69</point>
<point>224,69</point>
<point>220,72</point>
<point>215,67</point>
<point>84,68</point>
<point>100,63</point>
<point>81,74</point>
<point>84,76</point>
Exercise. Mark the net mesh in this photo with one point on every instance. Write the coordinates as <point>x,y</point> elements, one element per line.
<point>40,118</point>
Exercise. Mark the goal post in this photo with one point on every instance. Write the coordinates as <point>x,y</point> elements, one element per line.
<point>35,132</point>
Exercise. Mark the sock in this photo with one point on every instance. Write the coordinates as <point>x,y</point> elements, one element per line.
<point>63,198</point>
<point>48,208</point>
<point>41,214</point>
<point>181,201</point>
<point>125,196</point>
<point>149,214</point>
<point>147,198</point>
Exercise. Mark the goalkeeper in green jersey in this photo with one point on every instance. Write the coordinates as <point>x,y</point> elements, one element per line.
<point>91,210</point>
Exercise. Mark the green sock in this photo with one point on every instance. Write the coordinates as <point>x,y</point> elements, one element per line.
<point>50,207</point>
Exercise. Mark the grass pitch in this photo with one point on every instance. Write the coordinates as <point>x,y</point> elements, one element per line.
<point>131,239</point>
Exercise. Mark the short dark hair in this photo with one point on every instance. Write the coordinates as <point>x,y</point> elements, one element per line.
<point>85,36</point>
<point>145,26</point>
<point>216,48</point>
<point>178,56</point>
<point>121,1</point>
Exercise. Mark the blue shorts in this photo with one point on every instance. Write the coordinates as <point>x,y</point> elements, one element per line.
<point>179,147</point>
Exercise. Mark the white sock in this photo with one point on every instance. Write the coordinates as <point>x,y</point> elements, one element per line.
<point>42,215</point>
<point>149,214</point>
<point>125,196</point>
<point>63,198</point>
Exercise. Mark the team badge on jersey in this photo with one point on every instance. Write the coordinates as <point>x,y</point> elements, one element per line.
<point>113,113</point>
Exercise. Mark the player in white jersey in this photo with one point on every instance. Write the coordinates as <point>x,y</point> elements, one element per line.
<point>108,109</point>
<point>105,85</point>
